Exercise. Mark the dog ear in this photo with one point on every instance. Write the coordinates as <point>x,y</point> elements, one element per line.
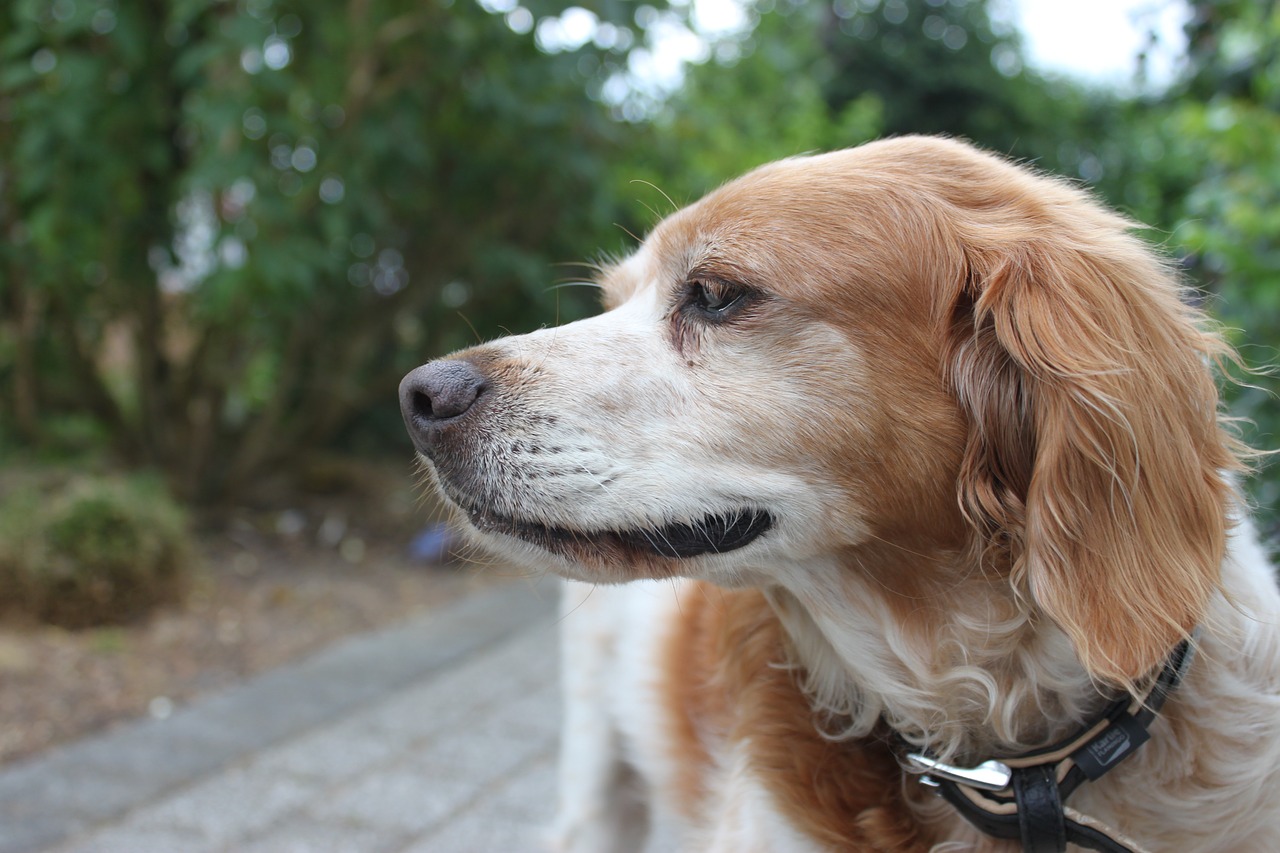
<point>1095,459</point>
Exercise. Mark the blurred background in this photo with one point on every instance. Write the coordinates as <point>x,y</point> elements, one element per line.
<point>228,228</point>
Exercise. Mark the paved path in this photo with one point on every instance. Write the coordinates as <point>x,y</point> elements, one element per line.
<point>437,735</point>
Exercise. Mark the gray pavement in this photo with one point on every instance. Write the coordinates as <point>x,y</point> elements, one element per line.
<point>437,735</point>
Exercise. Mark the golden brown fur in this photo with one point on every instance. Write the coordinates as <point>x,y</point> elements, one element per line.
<point>981,418</point>
<point>724,682</point>
<point>1078,367</point>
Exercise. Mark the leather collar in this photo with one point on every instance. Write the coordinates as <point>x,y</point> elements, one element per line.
<point>1023,796</point>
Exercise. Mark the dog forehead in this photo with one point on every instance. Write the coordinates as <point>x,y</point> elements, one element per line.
<point>777,205</point>
<point>796,228</point>
<point>810,228</point>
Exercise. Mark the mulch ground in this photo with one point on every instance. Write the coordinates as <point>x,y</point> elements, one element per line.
<point>271,587</point>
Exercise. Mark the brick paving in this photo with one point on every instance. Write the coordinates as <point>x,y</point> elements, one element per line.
<point>438,735</point>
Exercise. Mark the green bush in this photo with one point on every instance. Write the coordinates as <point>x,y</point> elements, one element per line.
<point>95,551</point>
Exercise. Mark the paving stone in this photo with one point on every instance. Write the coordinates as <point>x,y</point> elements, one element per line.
<point>483,833</point>
<point>310,835</point>
<point>488,748</point>
<point>421,714</point>
<point>123,839</point>
<point>402,801</point>
<point>535,710</point>
<point>333,753</point>
<point>451,698</point>
<point>444,727</point>
<point>529,795</point>
<point>229,806</point>
<point>510,815</point>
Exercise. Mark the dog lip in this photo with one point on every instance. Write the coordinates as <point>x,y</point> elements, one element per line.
<point>713,534</point>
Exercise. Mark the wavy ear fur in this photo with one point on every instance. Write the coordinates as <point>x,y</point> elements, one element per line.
<point>1095,460</point>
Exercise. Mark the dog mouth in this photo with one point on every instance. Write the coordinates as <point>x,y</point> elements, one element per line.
<point>713,534</point>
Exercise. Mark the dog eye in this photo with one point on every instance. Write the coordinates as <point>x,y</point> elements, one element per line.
<point>716,300</point>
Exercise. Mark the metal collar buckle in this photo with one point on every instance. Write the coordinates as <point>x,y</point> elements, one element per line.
<point>1028,802</point>
<point>988,776</point>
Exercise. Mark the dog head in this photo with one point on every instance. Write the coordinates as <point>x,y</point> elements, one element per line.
<point>909,347</point>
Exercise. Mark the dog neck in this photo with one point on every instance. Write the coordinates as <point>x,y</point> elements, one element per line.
<point>963,668</point>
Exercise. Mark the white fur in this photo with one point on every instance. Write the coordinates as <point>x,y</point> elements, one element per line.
<point>612,669</point>
<point>646,433</point>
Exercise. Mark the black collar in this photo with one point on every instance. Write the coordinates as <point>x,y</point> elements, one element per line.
<point>1022,797</point>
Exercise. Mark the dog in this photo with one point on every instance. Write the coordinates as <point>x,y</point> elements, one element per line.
<point>883,470</point>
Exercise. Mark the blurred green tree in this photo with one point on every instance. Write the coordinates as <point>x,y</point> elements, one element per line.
<point>818,74</point>
<point>229,227</point>
<point>760,100</point>
<point>1225,115</point>
<point>951,67</point>
<point>936,66</point>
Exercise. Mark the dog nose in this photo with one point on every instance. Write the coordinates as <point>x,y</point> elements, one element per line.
<point>436,393</point>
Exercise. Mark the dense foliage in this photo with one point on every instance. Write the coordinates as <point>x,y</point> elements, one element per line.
<point>1226,118</point>
<point>230,225</point>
